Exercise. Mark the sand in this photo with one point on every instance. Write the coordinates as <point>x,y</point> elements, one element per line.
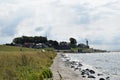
<point>62,72</point>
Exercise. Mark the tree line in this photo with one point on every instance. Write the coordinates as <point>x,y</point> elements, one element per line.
<point>50,43</point>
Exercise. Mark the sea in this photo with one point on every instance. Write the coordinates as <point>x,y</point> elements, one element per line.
<point>108,63</point>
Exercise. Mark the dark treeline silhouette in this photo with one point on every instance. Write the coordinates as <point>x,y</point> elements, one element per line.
<point>42,42</point>
<point>24,39</point>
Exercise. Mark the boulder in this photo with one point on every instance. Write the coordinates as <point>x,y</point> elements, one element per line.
<point>82,73</point>
<point>101,79</point>
<point>92,72</point>
<point>83,76</point>
<point>100,74</point>
<point>108,78</point>
<point>91,76</point>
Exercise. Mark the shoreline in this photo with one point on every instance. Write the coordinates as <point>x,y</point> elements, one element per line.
<point>62,72</point>
<point>66,68</point>
<point>114,74</point>
<point>106,76</point>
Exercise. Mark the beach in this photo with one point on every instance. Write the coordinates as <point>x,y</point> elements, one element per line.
<point>62,72</point>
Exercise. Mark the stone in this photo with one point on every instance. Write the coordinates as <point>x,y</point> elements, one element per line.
<point>99,74</point>
<point>92,72</point>
<point>91,76</point>
<point>101,79</point>
<point>108,78</point>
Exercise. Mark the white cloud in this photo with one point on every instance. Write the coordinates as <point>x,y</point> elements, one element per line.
<point>96,20</point>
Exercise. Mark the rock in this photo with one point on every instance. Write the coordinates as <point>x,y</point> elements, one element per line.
<point>108,78</point>
<point>87,69</point>
<point>82,73</point>
<point>99,74</point>
<point>79,65</point>
<point>77,68</point>
<point>75,65</point>
<point>91,76</point>
<point>92,72</point>
<point>83,76</point>
<point>101,79</point>
<point>72,66</point>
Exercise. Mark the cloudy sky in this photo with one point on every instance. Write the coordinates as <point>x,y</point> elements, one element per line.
<point>95,20</point>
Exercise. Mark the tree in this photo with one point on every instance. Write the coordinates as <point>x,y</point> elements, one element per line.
<point>53,43</point>
<point>26,39</point>
<point>73,42</point>
<point>18,40</point>
<point>40,39</point>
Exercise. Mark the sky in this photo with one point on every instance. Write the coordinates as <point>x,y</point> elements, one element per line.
<point>95,20</point>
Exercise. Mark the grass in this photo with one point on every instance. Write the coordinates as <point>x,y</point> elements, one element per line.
<point>25,64</point>
<point>14,48</point>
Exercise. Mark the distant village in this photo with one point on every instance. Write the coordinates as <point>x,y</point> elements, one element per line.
<point>40,42</point>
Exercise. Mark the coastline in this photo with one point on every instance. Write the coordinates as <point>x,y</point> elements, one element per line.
<point>102,64</point>
<point>62,72</point>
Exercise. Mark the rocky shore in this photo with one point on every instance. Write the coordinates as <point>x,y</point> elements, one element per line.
<point>65,68</point>
<point>61,71</point>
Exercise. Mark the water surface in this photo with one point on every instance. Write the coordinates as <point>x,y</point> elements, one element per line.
<point>108,63</point>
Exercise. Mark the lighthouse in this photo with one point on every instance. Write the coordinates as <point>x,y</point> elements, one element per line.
<point>87,42</point>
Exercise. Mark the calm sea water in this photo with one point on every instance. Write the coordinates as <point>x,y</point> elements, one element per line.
<point>108,63</point>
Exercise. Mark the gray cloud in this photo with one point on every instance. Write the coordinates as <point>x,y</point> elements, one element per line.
<point>59,19</point>
<point>10,23</point>
<point>39,29</point>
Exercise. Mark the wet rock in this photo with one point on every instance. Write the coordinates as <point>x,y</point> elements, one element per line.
<point>82,73</point>
<point>91,76</point>
<point>80,65</point>
<point>83,76</point>
<point>108,78</point>
<point>101,79</point>
<point>92,72</point>
<point>72,66</point>
<point>75,68</point>
<point>99,74</point>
